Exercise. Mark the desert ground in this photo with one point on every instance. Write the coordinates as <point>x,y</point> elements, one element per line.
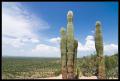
<point>60,77</point>
<point>82,77</point>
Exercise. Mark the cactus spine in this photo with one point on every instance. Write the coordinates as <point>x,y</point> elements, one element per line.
<point>99,50</point>
<point>68,49</point>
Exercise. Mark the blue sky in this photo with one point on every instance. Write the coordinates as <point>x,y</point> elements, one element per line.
<point>33,28</point>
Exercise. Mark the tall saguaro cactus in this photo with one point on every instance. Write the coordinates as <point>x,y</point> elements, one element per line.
<point>68,49</point>
<point>99,50</point>
<point>70,45</point>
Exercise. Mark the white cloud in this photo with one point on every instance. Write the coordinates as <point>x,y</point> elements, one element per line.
<point>22,50</point>
<point>34,40</point>
<point>110,49</point>
<point>46,51</point>
<point>89,44</point>
<point>13,42</point>
<point>17,22</point>
<point>55,40</point>
<point>89,37</point>
<point>14,23</point>
<point>17,43</point>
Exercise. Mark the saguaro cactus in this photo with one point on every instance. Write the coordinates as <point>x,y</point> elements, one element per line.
<point>99,50</point>
<point>63,46</point>
<point>68,49</point>
<point>70,45</point>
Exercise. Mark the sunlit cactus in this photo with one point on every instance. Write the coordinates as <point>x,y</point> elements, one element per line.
<point>99,50</point>
<point>63,47</point>
<point>69,49</point>
<point>70,45</point>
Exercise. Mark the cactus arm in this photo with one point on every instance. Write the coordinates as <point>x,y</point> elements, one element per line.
<point>63,44</point>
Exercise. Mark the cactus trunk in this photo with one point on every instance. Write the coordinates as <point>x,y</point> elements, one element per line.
<point>99,50</point>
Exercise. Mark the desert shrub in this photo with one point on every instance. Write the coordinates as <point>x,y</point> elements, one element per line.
<point>58,72</point>
<point>88,65</point>
<point>111,63</point>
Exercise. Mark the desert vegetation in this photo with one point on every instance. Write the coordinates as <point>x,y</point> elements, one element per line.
<point>21,67</point>
<point>35,68</point>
